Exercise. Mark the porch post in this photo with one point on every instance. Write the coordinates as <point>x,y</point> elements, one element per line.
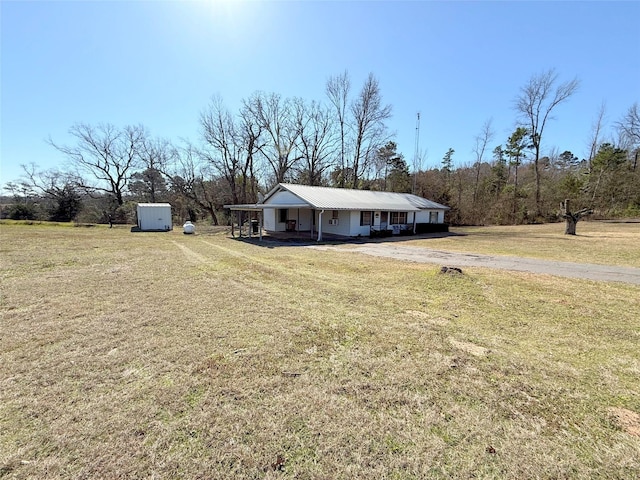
<point>320,225</point>
<point>260,222</point>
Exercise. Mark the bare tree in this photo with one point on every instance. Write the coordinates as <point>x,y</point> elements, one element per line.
<point>252,139</point>
<point>155,155</point>
<point>630,124</point>
<point>223,143</point>
<point>596,131</point>
<point>192,178</point>
<point>57,189</point>
<point>279,120</point>
<point>629,128</point>
<point>481,141</point>
<point>106,154</point>
<point>338,92</point>
<point>537,99</point>
<point>370,132</point>
<point>230,146</point>
<point>317,144</point>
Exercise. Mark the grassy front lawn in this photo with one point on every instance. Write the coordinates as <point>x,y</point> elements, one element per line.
<point>596,242</point>
<point>172,356</point>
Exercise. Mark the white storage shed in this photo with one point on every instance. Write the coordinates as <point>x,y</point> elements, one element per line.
<point>154,217</point>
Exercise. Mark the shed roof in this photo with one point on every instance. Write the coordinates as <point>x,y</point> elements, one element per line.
<point>328,198</point>
<point>154,205</point>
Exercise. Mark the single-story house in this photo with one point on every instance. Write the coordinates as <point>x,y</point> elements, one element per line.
<point>344,212</point>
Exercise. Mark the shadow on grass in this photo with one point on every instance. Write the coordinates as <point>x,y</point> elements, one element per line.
<point>272,241</point>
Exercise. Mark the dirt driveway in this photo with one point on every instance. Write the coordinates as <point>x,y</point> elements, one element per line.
<point>586,271</point>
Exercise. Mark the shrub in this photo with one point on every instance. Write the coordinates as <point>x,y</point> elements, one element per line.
<point>23,211</point>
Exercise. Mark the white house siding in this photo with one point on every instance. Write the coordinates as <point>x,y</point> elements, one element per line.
<point>422,216</point>
<point>304,207</point>
<point>283,198</point>
<point>272,221</point>
<point>342,228</point>
<point>269,219</point>
<point>354,225</point>
<point>348,220</point>
<point>302,216</point>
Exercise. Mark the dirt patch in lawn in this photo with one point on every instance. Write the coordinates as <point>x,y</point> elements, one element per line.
<point>627,420</point>
<point>470,348</point>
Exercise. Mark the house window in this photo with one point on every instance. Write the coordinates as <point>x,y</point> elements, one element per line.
<point>365,218</point>
<point>398,218</point>
<point>433,217</point>
<point>283,215</point>
<point>335,214</point>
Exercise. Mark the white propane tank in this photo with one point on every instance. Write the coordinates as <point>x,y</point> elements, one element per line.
<point>189,228</point>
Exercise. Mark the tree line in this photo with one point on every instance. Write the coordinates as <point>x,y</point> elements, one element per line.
<point>343,141</point>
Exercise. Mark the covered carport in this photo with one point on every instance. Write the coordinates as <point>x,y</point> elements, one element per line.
<point>250,208</point>
<point>260,207</point>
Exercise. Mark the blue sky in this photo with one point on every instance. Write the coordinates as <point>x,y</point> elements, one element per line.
<point>159,63</point>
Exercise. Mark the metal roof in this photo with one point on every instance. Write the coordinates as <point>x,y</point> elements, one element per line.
<point>245,207</point>
<point>154,204</point>
<point>327,198</point>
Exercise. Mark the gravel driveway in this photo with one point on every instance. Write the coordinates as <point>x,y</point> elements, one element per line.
<point>605,273</point>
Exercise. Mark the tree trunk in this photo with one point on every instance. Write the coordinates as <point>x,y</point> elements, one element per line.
<point>536,168</point>
<point>570,225</point>
<point>571,219</point>
<point>515,195</point>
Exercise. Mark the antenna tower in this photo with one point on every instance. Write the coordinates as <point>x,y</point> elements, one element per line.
<point>416,154</point>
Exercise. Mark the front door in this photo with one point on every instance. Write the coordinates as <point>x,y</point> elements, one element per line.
<point>384,220</point>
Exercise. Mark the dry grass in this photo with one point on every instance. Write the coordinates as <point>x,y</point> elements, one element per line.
<point>163,355</point>
<point>601,243</point>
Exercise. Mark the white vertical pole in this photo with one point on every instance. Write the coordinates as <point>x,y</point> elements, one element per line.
<point>320,225</point>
